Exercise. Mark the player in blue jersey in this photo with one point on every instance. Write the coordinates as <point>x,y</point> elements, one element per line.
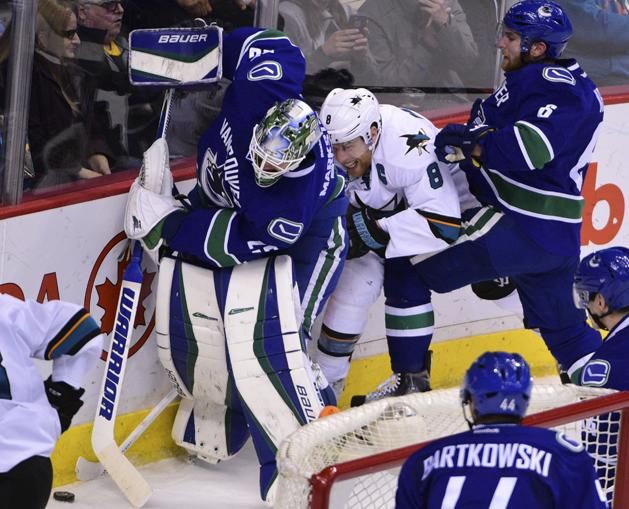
<point>33,412</point>
<point>266,185</point>
<point>601,285</point>
<point>525,152</point>
<point>499,463</point>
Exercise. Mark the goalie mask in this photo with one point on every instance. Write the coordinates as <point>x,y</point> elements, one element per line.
<point>282,140</point>
<point>498,383</point>
<point>350,113</point>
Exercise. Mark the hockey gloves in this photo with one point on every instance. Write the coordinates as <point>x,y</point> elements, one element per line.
<point>455,142</point>
<point>65,399</point>
<point>364,233</point>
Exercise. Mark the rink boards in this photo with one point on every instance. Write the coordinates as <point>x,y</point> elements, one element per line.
<point>67,247</point>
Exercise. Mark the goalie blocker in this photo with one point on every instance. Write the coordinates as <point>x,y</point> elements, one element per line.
<point>230,341</point>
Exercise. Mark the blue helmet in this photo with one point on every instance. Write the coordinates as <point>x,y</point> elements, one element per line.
<point>539,20</point>
<point>498,383</point>
<point>605,272</point>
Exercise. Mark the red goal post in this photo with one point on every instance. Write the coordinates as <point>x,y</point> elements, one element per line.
<point>359,479</point>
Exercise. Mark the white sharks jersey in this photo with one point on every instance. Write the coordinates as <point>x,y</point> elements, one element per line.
<point>406,177</point>
<point>59,331</point>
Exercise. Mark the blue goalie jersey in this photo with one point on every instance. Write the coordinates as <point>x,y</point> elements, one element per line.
<point>503,467</point>
<point>547,119</point>
<point>234,220</point>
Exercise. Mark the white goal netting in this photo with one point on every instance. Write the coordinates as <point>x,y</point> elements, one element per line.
<point>398,422</point>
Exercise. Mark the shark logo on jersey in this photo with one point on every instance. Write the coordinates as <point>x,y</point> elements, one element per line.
<point>596,373</point>
<point>418,141</point>
<point>213,180</point>
<point>267,70</point>
<point>558,75</point>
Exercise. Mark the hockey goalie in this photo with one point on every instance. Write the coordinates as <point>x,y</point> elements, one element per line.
<point>251,257</point>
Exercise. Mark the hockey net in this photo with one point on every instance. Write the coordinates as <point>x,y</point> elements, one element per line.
<point>352,459</point>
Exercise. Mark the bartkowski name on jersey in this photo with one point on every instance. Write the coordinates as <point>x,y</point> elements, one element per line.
<point>507,455</point>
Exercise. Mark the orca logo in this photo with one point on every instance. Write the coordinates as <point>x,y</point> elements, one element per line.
<point>285,230</point>
<point>558,75</point>
<point>267,70</point>
<point>596,373</point>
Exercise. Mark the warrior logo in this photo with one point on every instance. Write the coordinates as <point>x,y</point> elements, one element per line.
<point>213,181</point>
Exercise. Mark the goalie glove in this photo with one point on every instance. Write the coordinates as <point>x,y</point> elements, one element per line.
<point>65,399</point>
<point>364,233</point>
<point>144,216</point>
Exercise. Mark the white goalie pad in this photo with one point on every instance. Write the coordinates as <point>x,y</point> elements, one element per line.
<point>272,373</point>
<point>191,347</point>
<point>155,174</point>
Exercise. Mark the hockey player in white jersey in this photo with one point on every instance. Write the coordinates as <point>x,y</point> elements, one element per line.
<point>402,203</point>
<point>34,413</point>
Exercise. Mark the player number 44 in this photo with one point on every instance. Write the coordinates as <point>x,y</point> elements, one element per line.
<point>499,500</point>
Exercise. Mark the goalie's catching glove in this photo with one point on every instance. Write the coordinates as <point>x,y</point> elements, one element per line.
<point>364,233</point>
<point>65,399</point>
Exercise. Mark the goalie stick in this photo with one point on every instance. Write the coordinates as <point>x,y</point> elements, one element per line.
<point>112,458</point>
<point>87,470</point>
<point>124,474</point>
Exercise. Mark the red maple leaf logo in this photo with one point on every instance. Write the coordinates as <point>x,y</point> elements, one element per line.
<point>108,298</point>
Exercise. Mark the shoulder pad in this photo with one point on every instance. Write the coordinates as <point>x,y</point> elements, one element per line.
<point>556,74</point>
<point>596,373</point>
<point>568,443</point>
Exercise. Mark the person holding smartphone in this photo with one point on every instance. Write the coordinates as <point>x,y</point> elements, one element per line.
<point>325,32</point>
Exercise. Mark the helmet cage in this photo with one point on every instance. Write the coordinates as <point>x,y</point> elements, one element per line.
<point>539,21</point>
<point>283,139</point>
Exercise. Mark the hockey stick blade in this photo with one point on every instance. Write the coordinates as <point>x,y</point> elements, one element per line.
<point>87,470</point>
<point>124,474</point>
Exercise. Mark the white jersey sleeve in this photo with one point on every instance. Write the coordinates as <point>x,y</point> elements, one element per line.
<point>404,163</point>
<point>59,331</point>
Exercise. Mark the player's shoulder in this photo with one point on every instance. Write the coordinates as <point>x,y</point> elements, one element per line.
<point>261,53</point>
<point>406,141</point>
<point>554,441</point>
<point>561,78</point>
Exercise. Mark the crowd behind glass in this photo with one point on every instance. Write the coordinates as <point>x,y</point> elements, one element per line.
<point>85,121</point>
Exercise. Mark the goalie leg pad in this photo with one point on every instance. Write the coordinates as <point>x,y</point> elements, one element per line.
<point>191,346</point>
<point>273,374</point>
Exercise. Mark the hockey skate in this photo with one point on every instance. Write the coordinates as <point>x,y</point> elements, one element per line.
<point>398,384</point>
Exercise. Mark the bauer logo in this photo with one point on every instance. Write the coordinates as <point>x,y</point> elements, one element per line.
<point>117,357</point>
<point>181,38</point>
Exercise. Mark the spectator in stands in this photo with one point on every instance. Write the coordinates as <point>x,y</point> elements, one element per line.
<point>321,29</point>
<point>63,142</point>
<point>601,38</point>
<point>167,13</point>
<point>492,465</point>
<point>104,57</point>
<point>420,43</point>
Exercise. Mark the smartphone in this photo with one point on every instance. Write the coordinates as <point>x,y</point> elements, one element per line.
<point>358,22</point>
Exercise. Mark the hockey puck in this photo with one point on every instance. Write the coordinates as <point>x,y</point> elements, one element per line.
<point>63,496</point>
